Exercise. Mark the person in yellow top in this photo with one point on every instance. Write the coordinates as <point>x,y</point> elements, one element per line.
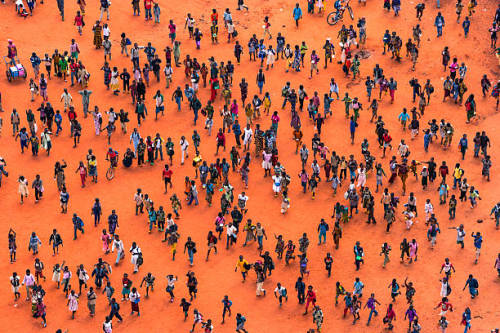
<point>244,266</point>
<point>458,172</point>
<point>267,103</point>
<point>297,137</point>
<point>196,163</point>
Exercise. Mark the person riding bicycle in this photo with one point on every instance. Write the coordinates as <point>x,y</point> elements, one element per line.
<point>112,157</point>
<point>339,7</point>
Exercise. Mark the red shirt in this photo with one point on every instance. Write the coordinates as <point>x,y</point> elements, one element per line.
<point>147,4</point>
<point>221,139</point>
<point>79,21</point>
<point>167,173</point>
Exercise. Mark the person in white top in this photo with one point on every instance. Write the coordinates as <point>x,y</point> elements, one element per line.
<point>170,286</point>
<point>247,137</point>
<point>242,202</point>
<point>67,99</point>
<point>231,235</point>
<point>136,253</point>
<point>15,281</point>
<point>29,282</point>
<point>107,326</point>
<point>184,148</point>
<point>106,31</point>
<point>276,184</point>
<point>118,246</point>
<point>134,298</point>
<point>429,210</point>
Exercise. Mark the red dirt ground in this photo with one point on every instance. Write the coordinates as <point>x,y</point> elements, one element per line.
<point>44,32</point>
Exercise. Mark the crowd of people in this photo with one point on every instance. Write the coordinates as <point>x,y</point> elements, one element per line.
<point>248,126</point>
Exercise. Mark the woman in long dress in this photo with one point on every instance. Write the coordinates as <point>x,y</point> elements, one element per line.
<point>23,188</point>
<point>97,121</point>
<point>59,174</point>
<point>97,35</point>
<point>73,303</point>
<point>361,176</point>
<point>115,85</point>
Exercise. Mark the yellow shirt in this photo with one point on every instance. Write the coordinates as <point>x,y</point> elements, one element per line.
<point>241,264</point>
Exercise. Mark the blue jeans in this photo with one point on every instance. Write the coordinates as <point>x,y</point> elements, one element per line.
<point>195,198</point>
<point>466,31</point>
<point>75,228</point>
<point>157,18</point>
<point>372,311</point>
<point>178,102</point>
<point>73,76</point>
<point>467,327</point>
<point>260,84</point>
<point>439,31</point>
<point>59,128</point>
<point>195,116</point>
<point>148,13</point>
<point>322,234</point>
<point>118,256</point>
<point>190,255</point>
<point>259,240</point>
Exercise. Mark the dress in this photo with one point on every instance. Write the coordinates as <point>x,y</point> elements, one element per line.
<point>361,177</point>
<point>97,122</point>
<point>73,303</point>
<point>444,289</point>
<point>266,161</point>
<point>23,187</point>
<point>413,249</point>
<point>97,36</point>
<point>115,85</point>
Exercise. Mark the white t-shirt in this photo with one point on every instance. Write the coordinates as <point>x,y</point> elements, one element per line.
<point>230,230</point>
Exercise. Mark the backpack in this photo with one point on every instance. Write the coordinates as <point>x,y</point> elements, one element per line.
<point>140,260</point>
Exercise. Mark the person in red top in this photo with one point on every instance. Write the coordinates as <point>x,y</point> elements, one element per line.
<point>387,141</point>
<point>147,9</point>
<point>73,67</point>
<point>310,298</point>
<point>221,141</point>
<point>389,317</point>
<point>172,29</point>
<point>443,171</point>
<point>214,17</point>
<point>72,118</point>
<point>79,22</point>
<point>167,177</point>
<point>445,306</point>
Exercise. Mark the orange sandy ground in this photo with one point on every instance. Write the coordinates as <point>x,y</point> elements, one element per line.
<point>217,277</point>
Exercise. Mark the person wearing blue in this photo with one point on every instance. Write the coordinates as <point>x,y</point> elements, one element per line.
<point>466,26</point>
<point>473,286</point>
<point>227,303</point>
<point>240,323</point>
<point>189,93</point>
<point>178,97</point>
<point>439,23</point>
<point>403,118</point>
<point>150,51</point>
<point>77,225</point>
<point>35,63</point>
<point>297,14</point>
<point>466,317</point>
<point>135,138</point>
<point>322,229</point>
<point>352,128</point>
<point>494,211</point>
<point>463,145</point>
<point>478,242</point>
<point>97,212</point>
<point>190,246</point>
<point>261,79</point>
<point>237,133</point>
<point>371,304</point>
<point>338,7</point>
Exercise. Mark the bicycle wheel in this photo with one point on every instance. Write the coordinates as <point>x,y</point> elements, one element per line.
<point>331,19</point>
<point>110,173</point>
<point>351,14</point>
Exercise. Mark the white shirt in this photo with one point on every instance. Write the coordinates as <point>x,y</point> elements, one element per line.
<point>134,296</point>
<point>118,245</point>
<point>230,230</point>
<point>243,198</point>
<point>135,251</point>
<point>429,209</point>
<point>106,31</point>
<point>184,144</point>
<point>248,133</point>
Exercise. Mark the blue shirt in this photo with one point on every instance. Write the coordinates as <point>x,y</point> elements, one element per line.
<point>478,241</point>
<point>297,13</point>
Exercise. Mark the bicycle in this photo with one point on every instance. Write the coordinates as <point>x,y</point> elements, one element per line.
<point>334,17</point>
<point>110,173</point>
